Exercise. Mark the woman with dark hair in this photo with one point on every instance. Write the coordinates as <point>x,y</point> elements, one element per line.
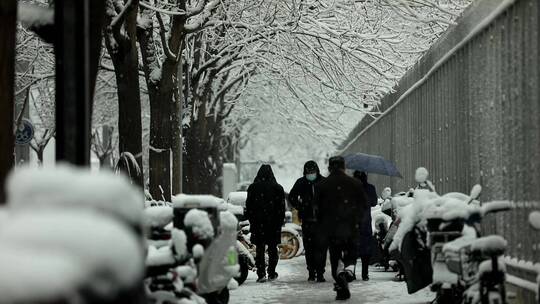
<point>265,210</point>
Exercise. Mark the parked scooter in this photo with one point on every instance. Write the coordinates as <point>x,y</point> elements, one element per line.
<point>191,256</point>
<point>246,252</point>
<point>465,267</point>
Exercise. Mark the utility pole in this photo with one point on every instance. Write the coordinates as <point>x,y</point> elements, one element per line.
<point>78,25</point>
<point>8,19</point>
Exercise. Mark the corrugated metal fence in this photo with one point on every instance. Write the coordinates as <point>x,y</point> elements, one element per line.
<point>469,111</point>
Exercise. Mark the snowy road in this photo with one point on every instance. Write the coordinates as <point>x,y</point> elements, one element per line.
<point>292,287</point>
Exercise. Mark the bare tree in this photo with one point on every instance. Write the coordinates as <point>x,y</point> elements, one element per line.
<point>121,42</point>
<point>161,78</point>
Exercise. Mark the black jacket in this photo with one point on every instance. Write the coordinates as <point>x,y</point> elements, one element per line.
<point>303,192</point>
<point>341,203</point>
<point>265,207</point>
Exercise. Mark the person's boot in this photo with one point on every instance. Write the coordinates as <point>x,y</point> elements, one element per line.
<point>262,278</point>
<point>320,277</point>
<point>311,276</point>
<point>342,287</point>
<point>349,274</point>
<point>272,276</point>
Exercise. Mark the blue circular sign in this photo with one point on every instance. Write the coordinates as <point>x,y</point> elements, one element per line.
<point>24,133</point>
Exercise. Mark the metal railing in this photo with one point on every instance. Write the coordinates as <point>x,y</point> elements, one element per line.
<point>469,111</point>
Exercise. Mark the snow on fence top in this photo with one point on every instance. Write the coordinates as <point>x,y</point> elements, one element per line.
<point>196,201</point>
<point>68,187</point>
<point>237,198</point>
<point>107,254</point>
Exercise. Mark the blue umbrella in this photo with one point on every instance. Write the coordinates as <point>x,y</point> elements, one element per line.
<point>371,164</point>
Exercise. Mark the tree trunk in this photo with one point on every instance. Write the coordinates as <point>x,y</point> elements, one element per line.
<point>105,160</point>
<point>126,68</point>
<point>160,148</point>
<point>8,18</point>
<point>39,153</point>
<point>176,123</point>
<point>203,160</point>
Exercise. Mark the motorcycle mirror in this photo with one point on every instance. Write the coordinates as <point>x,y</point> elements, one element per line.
<point>475,191</point>
<point>421,175</point>
<point>534,219</point>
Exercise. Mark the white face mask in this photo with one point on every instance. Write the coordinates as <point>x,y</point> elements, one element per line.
<point>311,177</point>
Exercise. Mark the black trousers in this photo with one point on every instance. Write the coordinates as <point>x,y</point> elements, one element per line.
<point>365,265</point>
<point>273,258</point>
<point>342,250</point>
<point>314,249</point>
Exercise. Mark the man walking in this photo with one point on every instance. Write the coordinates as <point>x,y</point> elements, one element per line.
<point>341,203</point>
<point>365,240</point>
<point>265,210</point>
<point>301,198</point>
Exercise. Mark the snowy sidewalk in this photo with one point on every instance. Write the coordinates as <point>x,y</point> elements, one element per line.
<point>292,287</point>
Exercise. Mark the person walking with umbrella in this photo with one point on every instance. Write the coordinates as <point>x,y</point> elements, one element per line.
<point>365,240</point>
<point>301,198</point>
<point>265,210</point>
<point>341,203</point>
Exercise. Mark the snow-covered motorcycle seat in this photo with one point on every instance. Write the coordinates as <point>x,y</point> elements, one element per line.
<point>493,245</point>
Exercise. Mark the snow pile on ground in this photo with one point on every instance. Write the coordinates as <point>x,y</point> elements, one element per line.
<point>237,198</point>
<point>105,253</point>
<point>200,224</point>
<point>196,201</point>
<point>65,186</point>
<point>157,217</point>
<point>292,287</point>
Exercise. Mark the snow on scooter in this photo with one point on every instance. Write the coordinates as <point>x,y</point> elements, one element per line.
<point>465,267</point>
<point>191,255</point>
<point>380,224</point>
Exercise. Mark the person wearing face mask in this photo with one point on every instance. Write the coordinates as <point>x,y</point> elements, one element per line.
<point>301,198</point>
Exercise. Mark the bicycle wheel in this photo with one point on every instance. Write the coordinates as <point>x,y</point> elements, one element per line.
<point>290,244</point>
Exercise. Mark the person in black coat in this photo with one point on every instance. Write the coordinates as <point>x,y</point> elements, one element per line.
<point>301,198</point>
<point>265,210</point>
<point>341,203</point>
<point>365,240</point>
